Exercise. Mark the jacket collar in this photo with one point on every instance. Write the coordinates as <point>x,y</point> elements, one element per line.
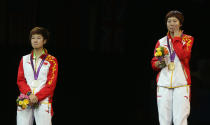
<point>44,52</point>
<point>169,35</point>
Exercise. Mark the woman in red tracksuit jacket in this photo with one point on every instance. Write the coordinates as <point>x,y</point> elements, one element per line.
<point>37,77</point>
<point>173,78</point>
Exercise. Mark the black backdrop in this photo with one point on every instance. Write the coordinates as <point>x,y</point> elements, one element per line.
<point>104,48</point>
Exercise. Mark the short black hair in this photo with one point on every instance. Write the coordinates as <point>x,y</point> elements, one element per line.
<point>40,30</point>
<point>175,13</point>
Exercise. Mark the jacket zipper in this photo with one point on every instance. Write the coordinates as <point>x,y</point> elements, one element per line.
<point>171,78</point>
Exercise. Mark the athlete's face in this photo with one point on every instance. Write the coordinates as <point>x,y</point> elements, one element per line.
<point>37,41</point>
<point>172,24</point>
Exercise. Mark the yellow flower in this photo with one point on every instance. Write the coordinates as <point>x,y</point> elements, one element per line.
<point>24,106</point>
<point>25,101</point>
<point>158,49</point>
<point>160,53</point>
<point>20,102</point>
<point>156,54</point>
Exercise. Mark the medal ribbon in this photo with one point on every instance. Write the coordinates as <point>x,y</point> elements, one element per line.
<point>172,54</point>
<point>36,74</point>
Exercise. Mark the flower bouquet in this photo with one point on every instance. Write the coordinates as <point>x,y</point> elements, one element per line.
<point>160,53</point>
<point>23,101</point>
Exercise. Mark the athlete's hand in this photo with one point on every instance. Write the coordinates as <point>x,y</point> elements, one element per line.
<point>177,31</point>
<point>160,64</point>
<point>33,99</point>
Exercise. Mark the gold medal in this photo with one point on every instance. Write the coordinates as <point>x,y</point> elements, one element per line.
<point>35,83</point>
<point>171,66</point>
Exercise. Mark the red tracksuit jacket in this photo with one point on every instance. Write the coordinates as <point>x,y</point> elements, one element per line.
<point>182,47</point>
<point>48,75</point>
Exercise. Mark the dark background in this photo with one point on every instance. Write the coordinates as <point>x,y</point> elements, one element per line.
<point>104,48</point>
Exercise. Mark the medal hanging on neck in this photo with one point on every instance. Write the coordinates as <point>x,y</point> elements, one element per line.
<point>171,65</point>
<point>36,82</point>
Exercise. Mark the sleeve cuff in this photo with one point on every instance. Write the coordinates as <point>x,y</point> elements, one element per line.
<point>28,93</point>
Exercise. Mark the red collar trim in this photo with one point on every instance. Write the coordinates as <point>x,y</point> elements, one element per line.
<point>169,35</point>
